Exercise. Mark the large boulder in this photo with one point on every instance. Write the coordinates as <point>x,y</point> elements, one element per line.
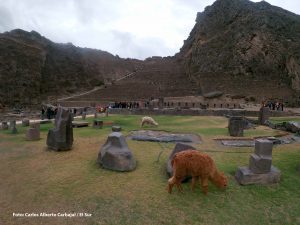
<point>179,147</point>
<point>115,154</point>
<point>61,137</point>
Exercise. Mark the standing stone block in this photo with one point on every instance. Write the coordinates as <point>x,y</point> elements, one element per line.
<point>61,137</point>
<point>25,122</point>
<point>260,170</point>
<point>98,124</point>
<point>96,115</point>
<point>33,134</point>
<point>263,147</point>
<point>236,126</point>
<point>4,125</point>
<point>116,128</point>
<point>115,154</point>
<point>259,164</point>
<point>264,114</point>
<point>12,127</point>
<point>179,147</point>
<point>12,124</point>
<point>83,115</point>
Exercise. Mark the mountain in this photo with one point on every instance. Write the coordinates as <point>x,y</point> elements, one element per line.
<point>244,48</point>
<point>33,68</point>
<point>238,47</point>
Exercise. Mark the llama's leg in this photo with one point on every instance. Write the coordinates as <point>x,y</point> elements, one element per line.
<point>178,184</point>
<point>204,185</point>
<point>171,183</point>
<point>194,179</point>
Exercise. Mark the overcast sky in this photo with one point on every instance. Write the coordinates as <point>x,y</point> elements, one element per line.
<point>129,28</point>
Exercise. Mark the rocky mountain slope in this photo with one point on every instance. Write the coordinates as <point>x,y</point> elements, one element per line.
<point>237,47</point>
<point>33,68</point>
<point>245,48</point>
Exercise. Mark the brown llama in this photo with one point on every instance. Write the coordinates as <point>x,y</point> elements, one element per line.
<point>198,165</point>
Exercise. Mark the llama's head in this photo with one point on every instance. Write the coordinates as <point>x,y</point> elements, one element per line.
<point>220,180</point>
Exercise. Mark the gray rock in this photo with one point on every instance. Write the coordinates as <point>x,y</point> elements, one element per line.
<point>260,170</point>
<point>12,127</point>
<point>264,114</point>
<point>245,176</point>
<point>61,137</point>
<point>258,164</point>
<point>292,126</point>
<point>236,126</point>
<point>115,154</point>
<point>161,136</point>
<point>116,128</point>
<point>263,147</point>
<point>4,125</point>
<point>179,147</point>
<point>33,134</point>
<point>238,143</point>
<point>25,122</point>
<point>270,124</point>
<point>80,124</point>
<point>12,124</point>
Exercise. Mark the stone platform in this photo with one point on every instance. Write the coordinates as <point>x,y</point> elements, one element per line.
<point>245,176</point>
<point>162,136</point>
<point>80,124</point>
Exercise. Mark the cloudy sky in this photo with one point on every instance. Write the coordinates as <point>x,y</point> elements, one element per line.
<point>129,28</point>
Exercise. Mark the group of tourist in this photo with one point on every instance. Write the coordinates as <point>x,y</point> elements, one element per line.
<point>278,106</point>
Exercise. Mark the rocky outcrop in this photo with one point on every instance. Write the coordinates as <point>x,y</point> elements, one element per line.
<point>32,68</point>
<point>242,47</point>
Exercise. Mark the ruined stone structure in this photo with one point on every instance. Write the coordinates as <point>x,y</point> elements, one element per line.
<point>264,114</point>
<point>236,126</point>
<point>260,170</point>
<point>4,125</point>
<point>61,137</point>
<point>33,133</point>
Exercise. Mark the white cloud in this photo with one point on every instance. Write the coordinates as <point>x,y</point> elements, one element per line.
<point>129,28</point>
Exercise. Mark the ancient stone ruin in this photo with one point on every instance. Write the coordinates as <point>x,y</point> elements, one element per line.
<point>236,126</point>
<point>4,125</point>
<point>116,128</point>
<point>260,170</point>
<point>179,147</point>
<point>264,114</point>
<point>25,122</point>
<point>33,133</point>
<point>12,127</point>
<point>61,137</point>
<point>115,154</point>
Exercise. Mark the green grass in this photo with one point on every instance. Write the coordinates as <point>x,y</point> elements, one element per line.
<point>34,179</point>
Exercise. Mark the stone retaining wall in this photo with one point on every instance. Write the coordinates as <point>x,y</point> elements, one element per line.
<point>195,112</point>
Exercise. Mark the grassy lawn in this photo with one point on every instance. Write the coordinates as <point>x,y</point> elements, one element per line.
<point>35,180</point>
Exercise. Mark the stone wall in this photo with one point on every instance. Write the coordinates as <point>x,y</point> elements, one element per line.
<point>195,112</point>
